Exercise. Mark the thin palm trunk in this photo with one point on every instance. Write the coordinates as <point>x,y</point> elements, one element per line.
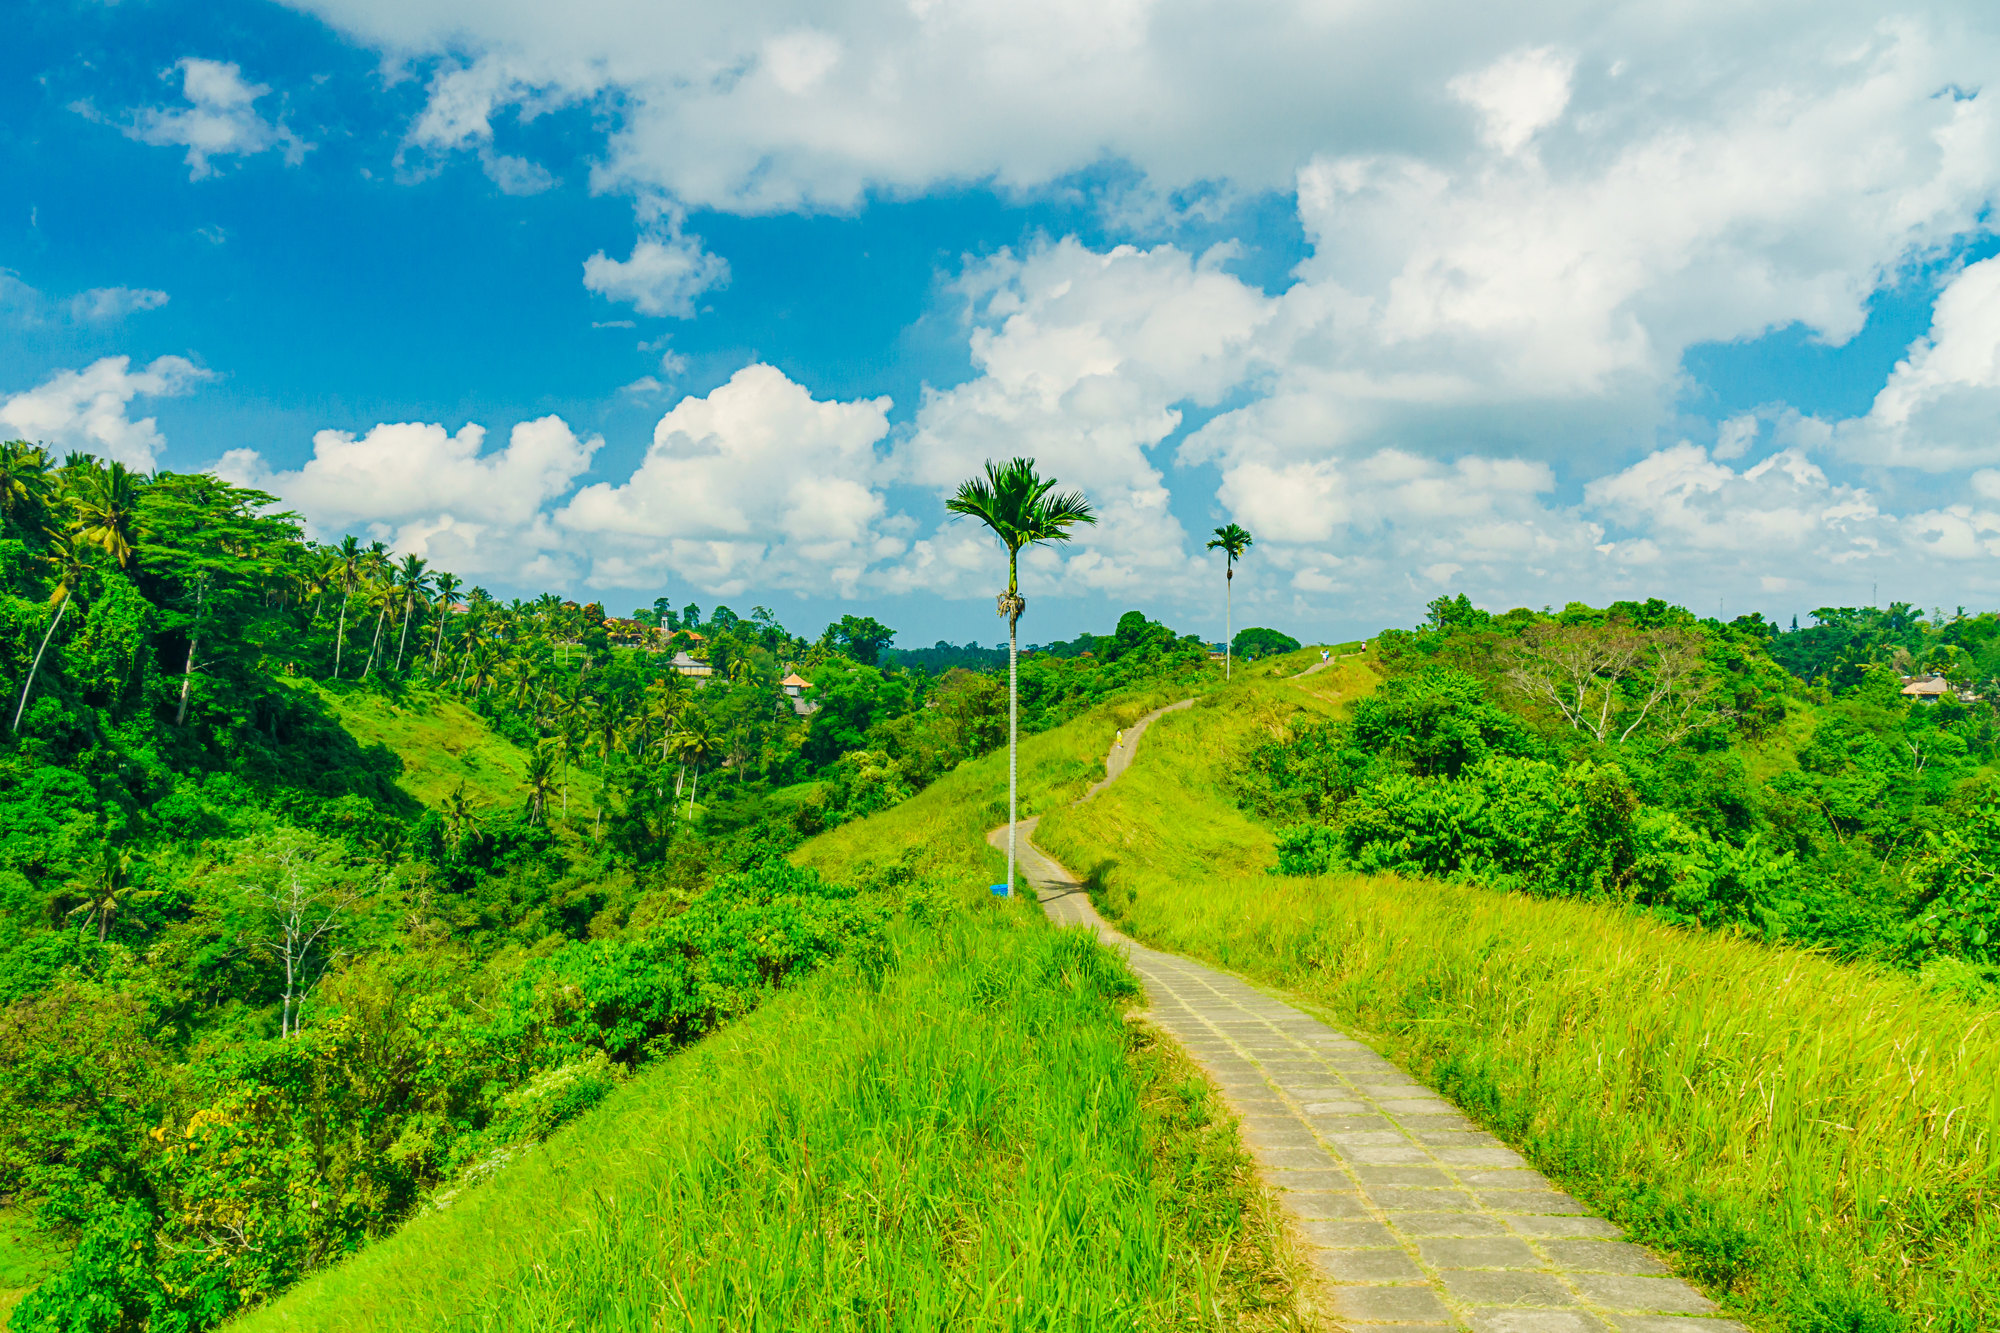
<point>403,639</point>
<point>1013,742</point>
<point>29,683</point>
<point>1228,619</point>
<point>376,642</point>
<point>340,634</point>
<point>437,643</point>
<point>187,679</point>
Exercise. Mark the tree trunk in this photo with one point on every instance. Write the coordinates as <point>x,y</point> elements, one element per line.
<point>340,635</point>
<point>187,679</point>
<point>376,642</point>
<point>437,645</point>
<point>403,639</point>
<point>694,787</point>
<point>29,683</point>
<point>1228,620</point>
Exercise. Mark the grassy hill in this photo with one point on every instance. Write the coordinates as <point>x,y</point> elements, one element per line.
<point>961,1131</point>
<point>444,744</point>
<point>1813,1141</point>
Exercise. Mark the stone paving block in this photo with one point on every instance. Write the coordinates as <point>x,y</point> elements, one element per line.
<point>1283,1157</point>
<point>1386,1304</point>
<point>1449,1224</point>
<point>1420,1177</point>
<point>1385,1092</point>
<point>1480,1252</point>
<point>1317,1107</point>
<point>1449,1138</point>
<point>1476,1287</point>
<point>1534,1321</point>
<point>1344,1206</point>
<point>1387,1154</point>
<point>1329,1178</point>
<point>1669,1323</point>
<point>1368,1266</point>
<point>1299,1137</point>
<point>1603,1256</point>
<point>1529,1201</point>
<point>1343,1235</point>
<point>1354,1124</point>
<point>1355,1138</point>
<point>1642,1295</point>
<point>1400,1199</point>
<point>1538,1226</point>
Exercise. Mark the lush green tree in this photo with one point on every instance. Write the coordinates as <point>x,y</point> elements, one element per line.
<point>1255,643</point>
<point>1021,508</point>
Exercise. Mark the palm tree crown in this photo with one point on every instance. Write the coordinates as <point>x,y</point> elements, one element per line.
<point>1023,509</point>
<point>1232,540</point>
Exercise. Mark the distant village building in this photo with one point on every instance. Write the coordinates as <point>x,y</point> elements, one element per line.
<point>1929,689</point>
<point>795,687</point>
<point>688,666</point>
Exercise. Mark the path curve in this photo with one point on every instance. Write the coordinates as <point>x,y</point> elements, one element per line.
<point>1419,1219</point>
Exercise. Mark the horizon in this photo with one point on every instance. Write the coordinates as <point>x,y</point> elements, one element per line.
<point>1543,306</point>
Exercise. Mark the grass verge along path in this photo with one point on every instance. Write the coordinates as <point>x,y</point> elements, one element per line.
<point>1815,1143</point>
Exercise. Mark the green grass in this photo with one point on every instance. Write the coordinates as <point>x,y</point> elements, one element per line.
<point>26,1256</point>
<point>443,743</point>
<point>1813,1142</point>
<point>966,1134</point>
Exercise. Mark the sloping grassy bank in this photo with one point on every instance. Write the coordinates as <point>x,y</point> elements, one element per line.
<point>957,1131</point>
<point>1813,1142</point>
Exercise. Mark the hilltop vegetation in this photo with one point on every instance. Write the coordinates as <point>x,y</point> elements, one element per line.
<point>326,890</point>
<point>1636,754</point>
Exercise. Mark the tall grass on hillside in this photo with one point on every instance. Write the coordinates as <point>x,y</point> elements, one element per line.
<point>966,1139</point>
<point>1813,1141</point>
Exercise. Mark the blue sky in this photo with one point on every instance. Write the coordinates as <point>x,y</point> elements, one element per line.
<point>1537,306</point>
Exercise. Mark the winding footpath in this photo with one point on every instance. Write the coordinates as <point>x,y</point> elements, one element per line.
<point>1416,1217</point>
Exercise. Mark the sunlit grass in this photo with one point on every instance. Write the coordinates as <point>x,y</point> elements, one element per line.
<point>1814,1141</point>
<point>966,1134</point>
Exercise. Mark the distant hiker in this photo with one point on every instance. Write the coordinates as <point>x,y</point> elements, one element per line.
<point>1121,739</point>
<point>1325,653</point>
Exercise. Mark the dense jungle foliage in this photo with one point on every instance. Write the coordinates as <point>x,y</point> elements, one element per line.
<point>1717,775</point>
<point>266,988</point>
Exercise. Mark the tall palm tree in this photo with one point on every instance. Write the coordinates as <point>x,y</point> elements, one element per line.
<point>541,778</point>
<point>695,744</point>
<point>107,510</point>
<point>1232,541</point>
<point>70,570</point>
<point>348,557</point>
<point>24,484</point>
<point>447,586</point>
<point>413,580</point>
<point>104,888</point>
<point>1023,509</point>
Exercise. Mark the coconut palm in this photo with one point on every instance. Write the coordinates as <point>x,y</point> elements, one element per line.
<point>447,587</point>
<point>541,778</point>
<point>71,567</point>
<point>1232,541</point>
<point>347,572</point>
<point>104,887</point>
<point>106,500</point>
<point>24,484</point>
<point>1023,509</point>
<point>413,580</point>
<point>695,745</point>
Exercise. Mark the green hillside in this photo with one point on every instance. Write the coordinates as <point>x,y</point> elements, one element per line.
<point>958,1130</point>
<point>443,744</point>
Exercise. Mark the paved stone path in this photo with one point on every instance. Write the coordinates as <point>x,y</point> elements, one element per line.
<point>1417,1218</point>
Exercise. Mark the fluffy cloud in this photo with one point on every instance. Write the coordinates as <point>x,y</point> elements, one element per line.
<point>89,410</point>
<point>437,494</point>
<point>664,275</point>
<point>219,120</point>
<point>1940,409</point>
<point>758,482</point>
<point>104,304</point>
<point>1085,359</point>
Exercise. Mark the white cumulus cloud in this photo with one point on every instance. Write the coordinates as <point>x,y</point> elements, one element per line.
<point>89,410</point>
<point>663,276</point>
<point>220,119</point>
